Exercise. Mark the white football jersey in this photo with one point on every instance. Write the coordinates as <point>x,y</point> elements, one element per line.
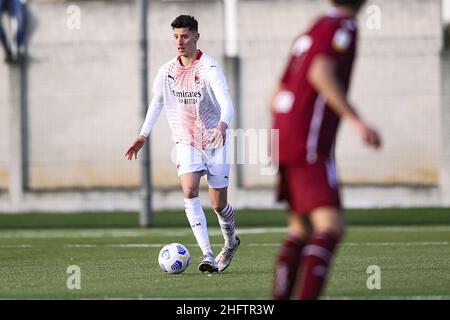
<point>195,98</point>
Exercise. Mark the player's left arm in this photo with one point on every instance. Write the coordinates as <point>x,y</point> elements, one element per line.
<point>323,77</point>
<point>220,89</point>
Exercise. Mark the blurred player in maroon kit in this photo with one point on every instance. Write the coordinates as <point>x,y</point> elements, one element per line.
<point>307,107</point>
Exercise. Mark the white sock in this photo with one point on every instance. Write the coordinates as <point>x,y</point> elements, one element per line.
<point>197,220</point>
<point>227,225</point>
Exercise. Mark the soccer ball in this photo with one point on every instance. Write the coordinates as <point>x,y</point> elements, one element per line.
<point>174,258</point>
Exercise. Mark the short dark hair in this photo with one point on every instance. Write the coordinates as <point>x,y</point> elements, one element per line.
<point>185,21</point>
<point>356,4</point>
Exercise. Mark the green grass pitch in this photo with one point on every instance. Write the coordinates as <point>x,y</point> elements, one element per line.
<point>116,260</point>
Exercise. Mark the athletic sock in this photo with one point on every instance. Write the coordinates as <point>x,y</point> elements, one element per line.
<point>316,258</point>
<point>227,225</point>
<point>287,266</point>
<point>197,220</point>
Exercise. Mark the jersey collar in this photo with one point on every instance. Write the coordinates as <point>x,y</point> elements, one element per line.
<point>199,55</point>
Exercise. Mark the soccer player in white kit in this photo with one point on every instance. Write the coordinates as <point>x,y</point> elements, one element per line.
<point>194,92</point>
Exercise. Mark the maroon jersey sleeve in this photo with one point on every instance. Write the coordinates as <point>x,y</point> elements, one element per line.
<point>334,38</point>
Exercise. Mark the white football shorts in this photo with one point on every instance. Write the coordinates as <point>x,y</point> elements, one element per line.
<point>212,162</point>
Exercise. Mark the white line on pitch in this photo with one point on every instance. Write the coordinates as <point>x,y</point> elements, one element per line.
<point>352,244</point>
<point>252,244</point>
<point>6,246</point>
<point>132,233</point>
<point>413,243</point>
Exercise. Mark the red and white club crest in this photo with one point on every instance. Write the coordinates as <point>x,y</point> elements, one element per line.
<point>197,78</point>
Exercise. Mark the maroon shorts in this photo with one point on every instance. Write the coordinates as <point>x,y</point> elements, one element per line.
<point>308,187</point>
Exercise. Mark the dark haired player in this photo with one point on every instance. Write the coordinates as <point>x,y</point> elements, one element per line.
<point>193,90</point>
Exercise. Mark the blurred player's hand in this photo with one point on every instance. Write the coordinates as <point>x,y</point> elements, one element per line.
<point>135,147</point>
<point>218,135</point>
<point>369,135</point>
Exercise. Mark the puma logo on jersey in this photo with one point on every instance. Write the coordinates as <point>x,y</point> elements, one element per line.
<point>171,77</point>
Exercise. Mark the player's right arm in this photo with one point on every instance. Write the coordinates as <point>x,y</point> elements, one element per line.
<point>322,75</point>
<point>135,146</point>
<point>153,112</point>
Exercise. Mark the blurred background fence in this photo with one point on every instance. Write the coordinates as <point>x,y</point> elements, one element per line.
<point>68,115</point>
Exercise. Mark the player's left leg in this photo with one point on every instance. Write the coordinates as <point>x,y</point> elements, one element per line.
<point>288,260</point>
<point>225,215</point>
<point>217,176</point>
<point>328,228</point>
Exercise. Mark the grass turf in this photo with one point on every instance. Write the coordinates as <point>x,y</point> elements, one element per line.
<point>251,218</point>
<point>121,262</point>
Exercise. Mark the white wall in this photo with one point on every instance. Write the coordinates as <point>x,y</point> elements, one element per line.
<point>84,99</point>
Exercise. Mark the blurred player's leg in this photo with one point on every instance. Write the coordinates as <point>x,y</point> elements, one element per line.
<point>225,215</point>
<point>328,228</point>
<point>196,217</point>
<point>289,257</point>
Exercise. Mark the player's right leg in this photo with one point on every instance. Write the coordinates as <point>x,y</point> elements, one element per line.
<point>196,217</point>
<point>289,256</point>
<point>299,229</point>
<point>191,167</point>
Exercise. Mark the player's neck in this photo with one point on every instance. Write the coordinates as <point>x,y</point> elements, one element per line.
<point>189,59</point>
<point>346,11</point>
